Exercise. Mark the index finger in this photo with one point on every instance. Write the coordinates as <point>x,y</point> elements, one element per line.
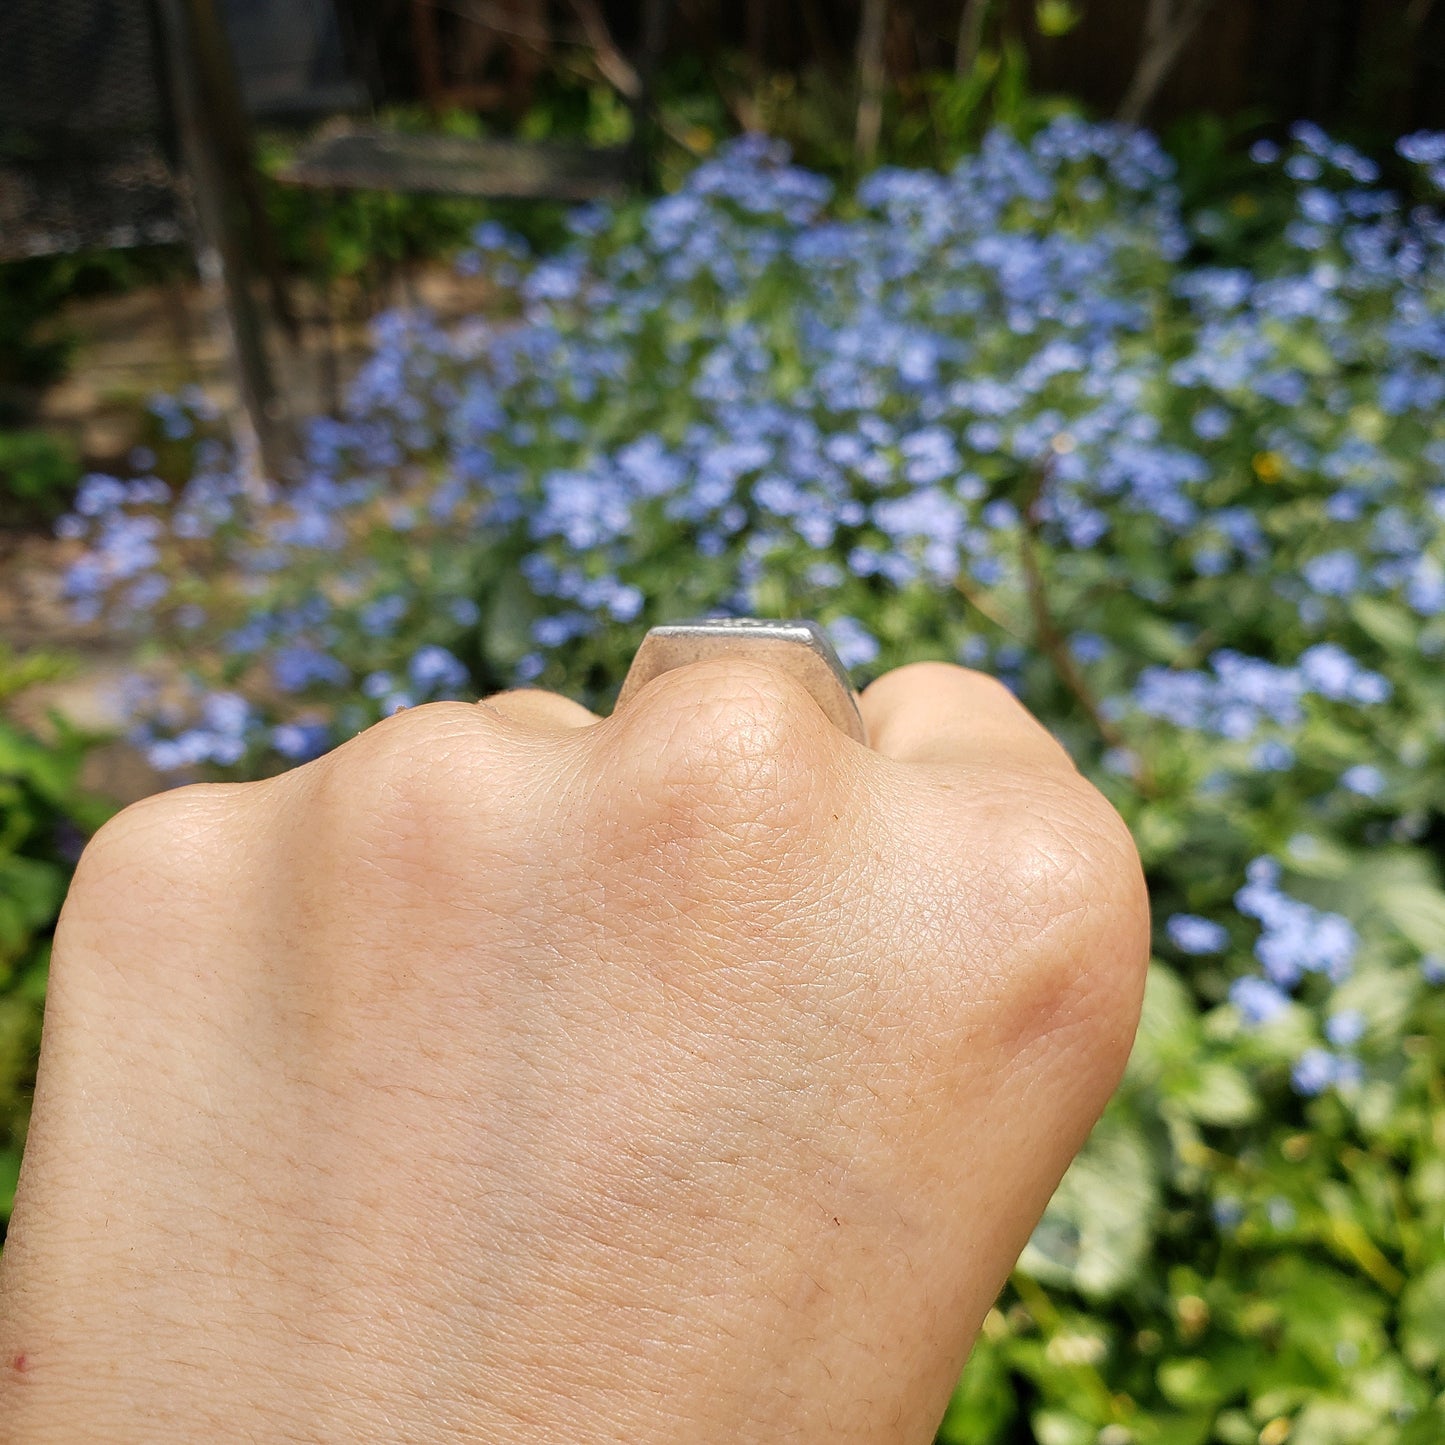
<point>935,712</point>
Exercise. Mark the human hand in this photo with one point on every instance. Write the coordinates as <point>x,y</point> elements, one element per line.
<point>509,1075</point>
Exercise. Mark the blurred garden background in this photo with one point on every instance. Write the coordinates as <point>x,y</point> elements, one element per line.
<point>355,353</point>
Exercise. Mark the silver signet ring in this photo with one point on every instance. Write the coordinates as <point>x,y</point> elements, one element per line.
<point>799,648</point>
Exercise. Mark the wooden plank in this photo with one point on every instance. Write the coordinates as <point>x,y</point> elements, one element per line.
<point>460,166</point>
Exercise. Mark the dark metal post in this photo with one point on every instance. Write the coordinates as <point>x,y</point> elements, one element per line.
<point>211,136</point>
<point>644,117</point>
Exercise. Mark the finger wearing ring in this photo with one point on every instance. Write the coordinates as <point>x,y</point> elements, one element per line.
<point>798,648</point>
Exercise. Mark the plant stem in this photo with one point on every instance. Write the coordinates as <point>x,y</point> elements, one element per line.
<point>1168,27</point>
<point>871,78</point>
<point>970,36</point>
<point>1050,637</point>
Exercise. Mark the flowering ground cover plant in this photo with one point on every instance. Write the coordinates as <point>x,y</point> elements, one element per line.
<point>1020,416</point>
<point>44,818</point>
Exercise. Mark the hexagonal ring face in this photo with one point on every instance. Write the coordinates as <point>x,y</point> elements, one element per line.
<point>799,648</point>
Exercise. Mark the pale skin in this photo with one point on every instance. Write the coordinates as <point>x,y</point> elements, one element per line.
<point>511,1075</point>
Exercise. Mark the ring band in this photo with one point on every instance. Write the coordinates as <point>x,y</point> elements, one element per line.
<point>799,648</point>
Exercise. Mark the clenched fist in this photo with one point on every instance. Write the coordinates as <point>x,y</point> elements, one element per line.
<point>509,1075</point>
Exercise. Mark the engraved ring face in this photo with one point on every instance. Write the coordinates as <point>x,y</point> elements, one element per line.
<point>799,648</point>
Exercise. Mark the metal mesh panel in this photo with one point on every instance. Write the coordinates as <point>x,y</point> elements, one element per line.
<point>82,129</point>
<point>84,123</point>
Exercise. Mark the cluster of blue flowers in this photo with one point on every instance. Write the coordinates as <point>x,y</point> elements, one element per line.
<point>1239,694</point>
<point>754,396</point>
<point>1296,939</point>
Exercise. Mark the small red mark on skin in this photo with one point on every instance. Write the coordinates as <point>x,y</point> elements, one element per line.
<point>20,1364</point>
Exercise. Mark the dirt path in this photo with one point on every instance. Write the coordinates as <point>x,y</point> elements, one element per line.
<point>34,618</point>
<point>129,347</point>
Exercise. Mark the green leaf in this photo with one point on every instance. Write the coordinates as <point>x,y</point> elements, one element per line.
<point>1057,1427</point>
<point>1218,1094</point>
<point>1422,1319</point>
<point>1383,995</point>
<point>507,623</point>
<point>1418,911</point>
<point>1168,1026</point>
<point>1055,18</point>
<point>1155,637</point>
<point>1321,1310</point>
<point>1423,1429</point>
<point>1314,856</point>
<point>9,1178</point>
<point>1191,1429</point>
<point>1387,623</point>
<point>1336,1421</point>
<point>1189,1382</point>
<point>1234,1427</point>
<point>1373,875</point>
<point>1099,1226</point>
<point>984,1402</point>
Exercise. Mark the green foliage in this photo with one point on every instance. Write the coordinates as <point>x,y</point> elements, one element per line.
<point>34,347</point>
<point>340,236</point>
<point>953,112</point>
<point>1322,1302</point>
<point>1056,18</point>
<point>30,292</point>
<point>38,473</point>
<point>44,816</point>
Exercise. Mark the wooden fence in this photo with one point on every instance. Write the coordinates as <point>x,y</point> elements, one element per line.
<point>1360,65</point>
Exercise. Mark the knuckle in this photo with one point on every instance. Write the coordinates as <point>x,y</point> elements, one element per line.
<point>993,695</point>
<point>406,764</point>
<point>1053,851</point>
<point>728,764</point>
<point>743,740</point>
<point>1070,847</point>
<point>420,729</point>
<point>404,794</point>
<point>169,867</point>
<point>168,840</point>
<point>1079,918</point>
<point>731,723</point>
<point>533,707</point>
<point>932,670</point>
